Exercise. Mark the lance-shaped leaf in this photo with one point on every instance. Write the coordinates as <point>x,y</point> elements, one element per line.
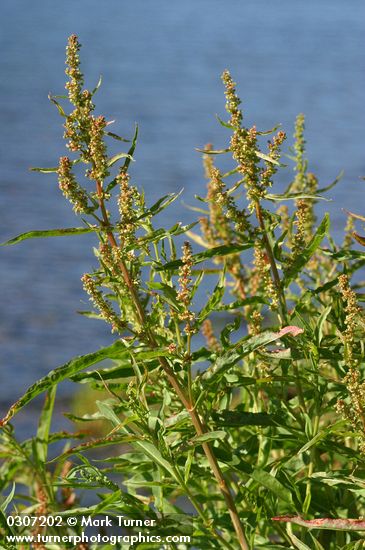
<point>241,418</point>
<point>244,347</point>
<point>353,215</point>
<point>50,170</point>
<point>111,439</point>
<point>50,233</point>
<point>335,182</point>
<point>325,523</point>
<point>60,109</point>
<point>119,156</point>
<point>61,373</point>
<point>97,85</point>
<point>295,197</point>
<point>269,159</point>
<point>222,151</point>
<point>359,238</point>
<point>159,234</point>
<point>272,484</point>
<point>129,157</point>
<point>43,432</point>
<point>223,250</point>
<point>207,437</point>
<point>214,300</point>
<point>160,205</point>
<point>118,138</point>
<point>168,294</point>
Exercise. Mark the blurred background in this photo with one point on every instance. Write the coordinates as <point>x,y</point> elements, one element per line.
<point>161,64</point>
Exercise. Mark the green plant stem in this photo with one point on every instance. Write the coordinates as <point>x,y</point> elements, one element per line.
<point>299,388</point>
<point>197,423</point>
<point>274,269</point>
<point>308,495</point>
<point>190,382</point>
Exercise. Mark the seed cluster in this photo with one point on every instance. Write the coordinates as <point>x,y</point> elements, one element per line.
<point>233,101</point>
<point>354,410</point>
<point>262,271</point>
<point>77,125</point>
<point>76,82</point>
<point>244,148</point>
<point>299,149</point>
<point>70,188</point>
<point>128,196</point>
<point>208,333</point>
<point>299,238</point>
<point>184,292</point>
<point>352,311</point>
<point>101,303</point>
<point>97,149</point>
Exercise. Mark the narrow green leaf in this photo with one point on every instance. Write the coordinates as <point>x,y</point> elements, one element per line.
<point>335,182</point>
<point>237,304</point>
<point>214,300</point>
<point>294,197</point>
<point>188,464</point>
<point>127,162</point>
<point>160,205</point>
<point>342,255</point>
<point>223,250</point>
<point>209,436</point>
<point>268,132</point>
<point>268,159</point>
<point>317,544</point>
<point>152,452</point>
<point>168,294</point>
<point>321,435</point>
<point>308,251</point>
<point>278,246</point>
<point>112,439</point>
<point>44,426</point>
<point>118,138</point>
<point>212,151</point>
<point>51,170</point>
<point>123,370</point>
<point>273,484</point>
<point>60,109</point>
<point>225,124</point>
<point>8,499</point>
<point>97,85</point>
<point>243,347</point>
<point>117,157</point>
<point>159,234</point>
<point>333,478</point>
<point>320,324</point>
<point>298,543</point>
<point>240,418</point>
<point>107,411</point>
<point>356,216</point>
<point>359,238</point>
<point>8,530</point>
<point>61,373</point>
<point>50,233</point>
<point>222,151</point>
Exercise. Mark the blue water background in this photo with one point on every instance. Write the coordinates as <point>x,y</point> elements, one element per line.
<point>161,64</point>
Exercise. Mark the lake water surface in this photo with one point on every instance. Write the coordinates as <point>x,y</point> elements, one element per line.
<point>161,64</point>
